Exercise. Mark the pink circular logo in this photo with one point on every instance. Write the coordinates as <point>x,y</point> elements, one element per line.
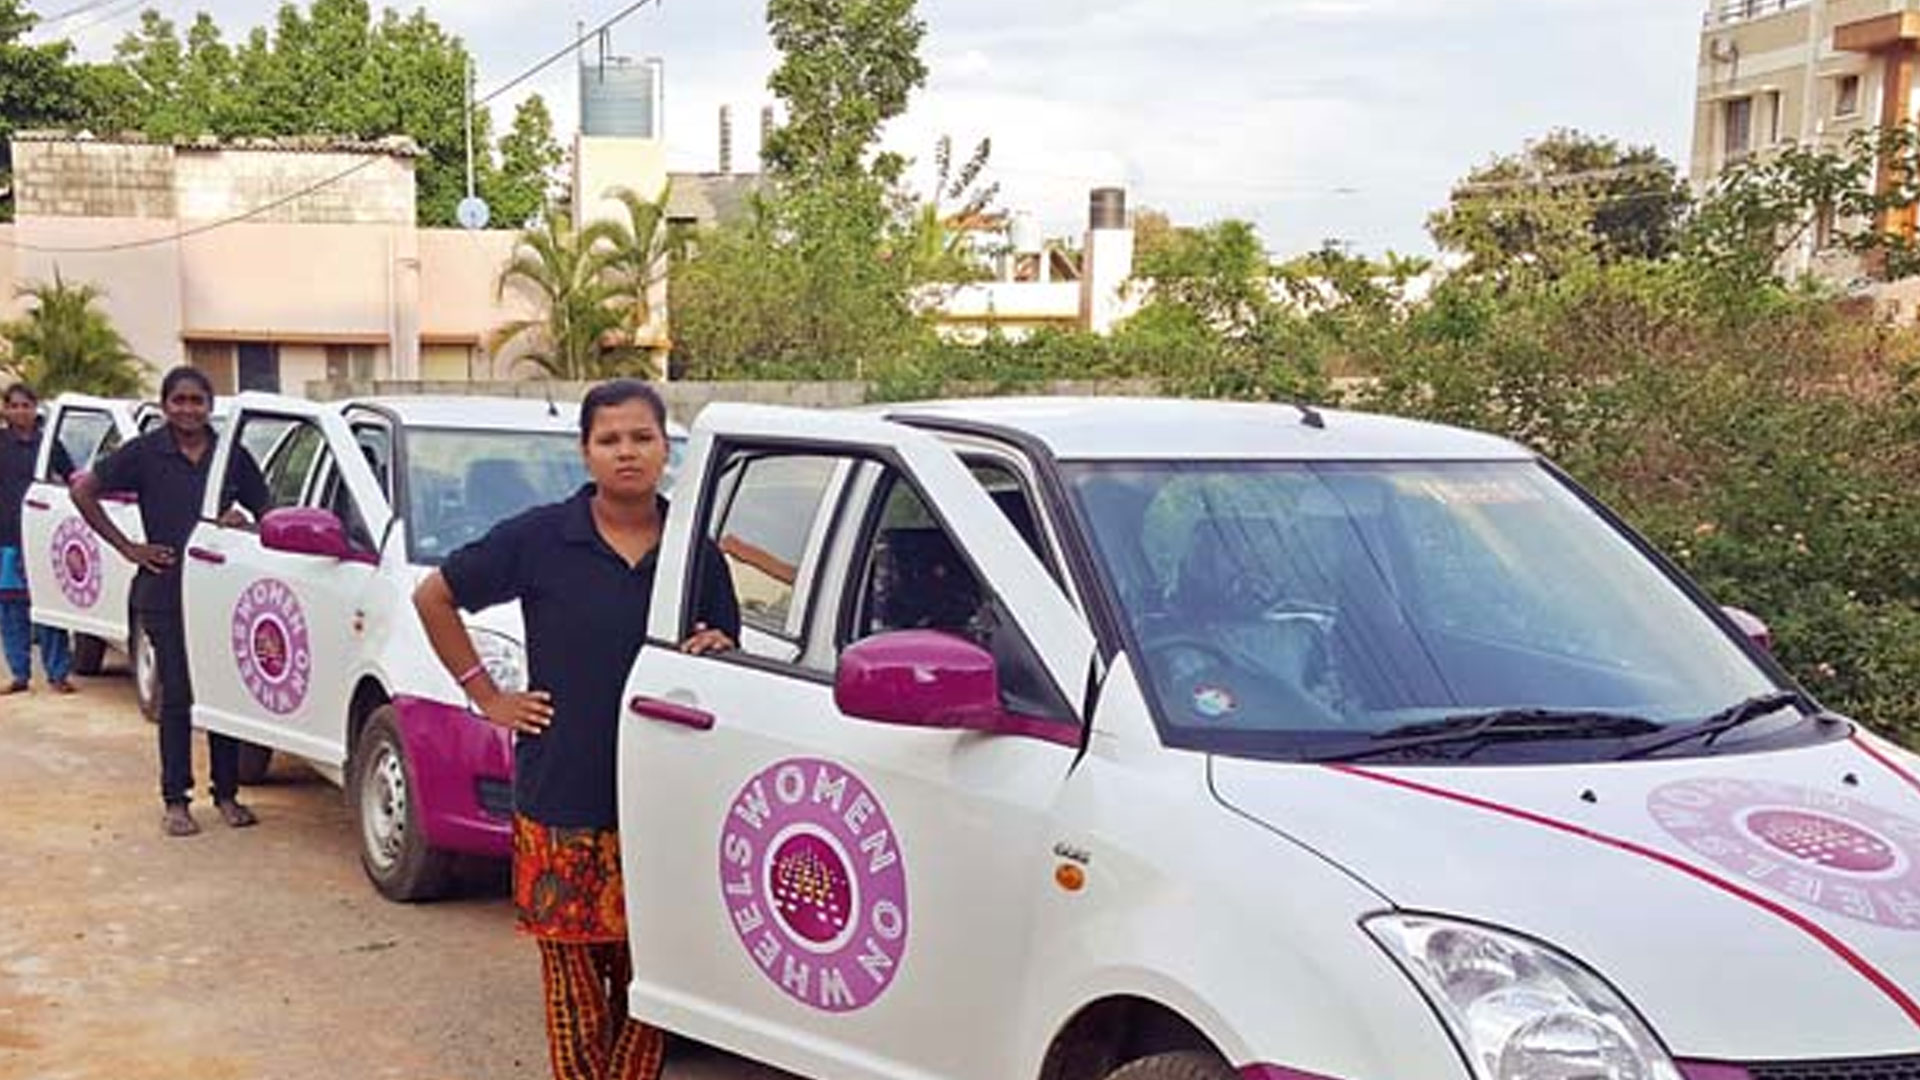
<point>1846,857</point>
<point>814,885</point>
<point>270,645</point>
<point>76,563</point>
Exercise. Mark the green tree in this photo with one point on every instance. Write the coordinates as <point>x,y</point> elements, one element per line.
<point>1763,208</point>
<point>529,159</point>
<point>577,334</point>
<point>846,68</point>
<point>65,342</point>
<point>39,87</point>
<point>935,228</point>
<point>333,68</point>
<point>635,254</point>
<point>1563,201</point>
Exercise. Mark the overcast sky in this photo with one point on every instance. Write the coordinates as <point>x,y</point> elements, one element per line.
<point>1316,119</point>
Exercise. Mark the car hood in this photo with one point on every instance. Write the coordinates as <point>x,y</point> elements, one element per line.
<point>1753,907</point>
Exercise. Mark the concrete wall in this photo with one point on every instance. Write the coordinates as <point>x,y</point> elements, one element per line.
<point>263,281</point>
<point>601,165</point>
<point>686,399</point>
<point>96,180</point>
<point>214,184</point>
<point>459,274</point>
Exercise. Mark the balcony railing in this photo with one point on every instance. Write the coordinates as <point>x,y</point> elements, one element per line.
<point>1727,12</point>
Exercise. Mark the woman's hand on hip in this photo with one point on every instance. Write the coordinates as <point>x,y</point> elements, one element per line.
<point>530,713</point>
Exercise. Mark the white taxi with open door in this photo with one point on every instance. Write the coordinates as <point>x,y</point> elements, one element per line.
<point>1181,741</point>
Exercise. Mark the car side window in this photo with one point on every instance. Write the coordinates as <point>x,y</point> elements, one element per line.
<point>767,519</point>
<point>914,577</point>
<point>85,434</point>
<point>333,495</point>
<point>289,466</point>
<point>376,445</point>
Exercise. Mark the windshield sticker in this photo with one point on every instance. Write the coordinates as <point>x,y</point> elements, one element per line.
<point>76,563</point>
<point>1842,855</point>
<point>271,646</point>
<point>813,881</point>
<point>1478,492</point>
<point>1214,702</point>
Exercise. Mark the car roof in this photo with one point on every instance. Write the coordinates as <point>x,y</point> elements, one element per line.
<point>1160,428</point>
<point>485,413</point>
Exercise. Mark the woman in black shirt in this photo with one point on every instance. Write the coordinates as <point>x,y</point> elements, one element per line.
<point>583,572</point>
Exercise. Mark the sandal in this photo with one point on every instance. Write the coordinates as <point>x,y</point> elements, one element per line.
<point>178,821</point>
<point>15,687</point>
<point>236,815</point>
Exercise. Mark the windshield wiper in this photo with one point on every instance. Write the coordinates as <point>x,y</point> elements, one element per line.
<point>1502,725</point>
<point>1712,727</point>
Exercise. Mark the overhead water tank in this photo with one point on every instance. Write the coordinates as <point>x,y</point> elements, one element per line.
<point>620,97</point>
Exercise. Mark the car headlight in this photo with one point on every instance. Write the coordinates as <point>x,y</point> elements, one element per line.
<point>504,658</point>
<point>1519,1010</point>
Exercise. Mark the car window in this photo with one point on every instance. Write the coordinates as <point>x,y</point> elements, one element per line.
<point>766,521</point>
<point>86,435</point>
<point>914,577</point>
<point>291,463</point>
<point>460,483</point>
<point>376,445</point>
<point>333,494</point>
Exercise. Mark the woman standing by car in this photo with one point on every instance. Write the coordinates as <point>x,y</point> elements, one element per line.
<point>583,573</point>
<point>167,470</point>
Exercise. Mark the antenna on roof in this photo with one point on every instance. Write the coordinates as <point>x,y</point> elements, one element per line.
<point>1310,416</point>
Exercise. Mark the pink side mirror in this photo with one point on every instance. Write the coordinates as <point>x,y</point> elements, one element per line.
<point>1751,625</point>
<point>305,531</point>
<point>929,679</point>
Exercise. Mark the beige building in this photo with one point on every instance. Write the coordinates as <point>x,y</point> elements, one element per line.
<point>1774,73</point>
<point>270,263</point>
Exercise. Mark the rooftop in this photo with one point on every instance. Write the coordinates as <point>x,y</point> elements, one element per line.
<point>1154,428</point>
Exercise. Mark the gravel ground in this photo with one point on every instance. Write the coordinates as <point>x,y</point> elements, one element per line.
<point>237,953</point>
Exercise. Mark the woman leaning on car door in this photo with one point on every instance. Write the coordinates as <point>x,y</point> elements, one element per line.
<point>583,572</point>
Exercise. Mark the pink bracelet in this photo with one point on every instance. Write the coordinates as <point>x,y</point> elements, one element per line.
<point>471,674</point>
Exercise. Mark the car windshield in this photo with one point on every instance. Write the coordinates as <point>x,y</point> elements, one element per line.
<point>1306,610</point>
<point>461,483</point>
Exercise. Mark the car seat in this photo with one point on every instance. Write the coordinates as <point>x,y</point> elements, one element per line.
<point>922,583</point>
<point>497,488</point>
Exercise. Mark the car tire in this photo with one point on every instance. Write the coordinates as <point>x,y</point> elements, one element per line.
<point>146,675</point>
<point>380,789</point>
<point>89,654</point>
<point>255,762</point>
<point>1181,1065</point>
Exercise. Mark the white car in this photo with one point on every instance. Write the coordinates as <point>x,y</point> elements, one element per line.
<point>1181,741</point>
<point>304,637</point>
<point>77,585</point>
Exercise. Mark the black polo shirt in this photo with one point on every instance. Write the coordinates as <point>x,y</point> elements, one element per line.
<point>170,489</point>
<point>17,458</point>
<point>585,611</point>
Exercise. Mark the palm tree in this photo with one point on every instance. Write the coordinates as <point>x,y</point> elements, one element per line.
<point>577,335</point>
<point>636,254</point>
<point>67,343</point>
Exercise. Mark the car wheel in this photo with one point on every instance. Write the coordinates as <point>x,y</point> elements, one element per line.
<point>1182,1065</point>
<point>255,761</point>
<point>393,846</point>
<point>146,671</point>
<point>89,654</point>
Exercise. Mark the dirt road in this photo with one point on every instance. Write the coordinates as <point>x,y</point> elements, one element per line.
<point>235,954</point>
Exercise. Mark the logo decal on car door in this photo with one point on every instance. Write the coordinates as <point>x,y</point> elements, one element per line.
<point>76,563</point>
<point>1838,854</point>
<point>270,644</point>
<point>814,885</point>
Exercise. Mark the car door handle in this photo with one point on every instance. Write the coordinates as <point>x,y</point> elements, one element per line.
<point>36,504</point>
<point>206,555</point>
<point>666,712</point>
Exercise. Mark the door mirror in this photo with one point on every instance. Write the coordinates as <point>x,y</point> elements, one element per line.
<point>1751,625</point>
<point>930,679</point>
<point>305,530</point>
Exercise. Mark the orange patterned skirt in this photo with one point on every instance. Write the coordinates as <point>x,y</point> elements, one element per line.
<point>566,883</point>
